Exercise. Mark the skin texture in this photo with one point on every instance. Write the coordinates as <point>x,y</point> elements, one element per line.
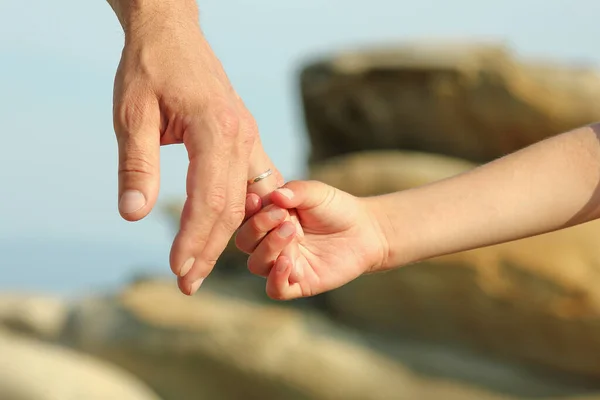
<point>341,240</point>
<point>551,185</point>
<point>170,88</point>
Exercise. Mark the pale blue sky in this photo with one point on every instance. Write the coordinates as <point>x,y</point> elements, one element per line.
<point>58,154</point>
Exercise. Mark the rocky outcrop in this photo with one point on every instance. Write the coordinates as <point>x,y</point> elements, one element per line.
<point>36,316</point>
<point>370,173</point>
<point>215,347</point>
<point>473,101</point>
<point>32,370</point>
<point>194,348</point>
<point>533,300</point>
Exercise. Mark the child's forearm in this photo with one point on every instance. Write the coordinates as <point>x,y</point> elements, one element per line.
<point>551,185</point>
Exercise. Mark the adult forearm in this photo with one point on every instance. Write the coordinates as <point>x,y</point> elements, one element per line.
<point>551,185</point>
<point>136,15</point>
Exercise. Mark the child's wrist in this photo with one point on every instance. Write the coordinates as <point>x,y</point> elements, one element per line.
<point>396,239</point>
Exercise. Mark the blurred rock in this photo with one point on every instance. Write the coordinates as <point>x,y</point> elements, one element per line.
<point>32,370</point>
<point>214,347</point>
<point>468,100</point>
<point>33,315</point>
<point>370,173</point>
<point>532,300</point>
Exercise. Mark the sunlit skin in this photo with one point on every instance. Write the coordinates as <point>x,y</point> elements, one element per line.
<point>170,88</point>
<point>551,185</point>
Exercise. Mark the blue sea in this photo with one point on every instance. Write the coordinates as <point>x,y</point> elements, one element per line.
<point>73,268</point>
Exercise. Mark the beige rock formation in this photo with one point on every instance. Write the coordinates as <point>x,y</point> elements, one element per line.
<point>33,315</point>
<point>473,101</point>
<point>33,370</point>
<point>214,347</point>
<point>370,173</point>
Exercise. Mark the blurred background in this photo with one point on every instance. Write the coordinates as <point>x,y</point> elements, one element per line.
<point>411,91</point>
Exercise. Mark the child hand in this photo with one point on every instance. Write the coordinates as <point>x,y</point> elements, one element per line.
<point>341,240</point>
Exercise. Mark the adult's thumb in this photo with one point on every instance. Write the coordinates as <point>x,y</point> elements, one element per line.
<point>139,172</point>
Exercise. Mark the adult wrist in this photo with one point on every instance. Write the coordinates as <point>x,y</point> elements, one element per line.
<point>143,17</point>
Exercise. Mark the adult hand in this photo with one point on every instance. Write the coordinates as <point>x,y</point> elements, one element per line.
<point>170,88</point>
<point>342,239</point>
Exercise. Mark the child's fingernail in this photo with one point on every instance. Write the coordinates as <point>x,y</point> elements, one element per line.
<point>286,230</point>
<point>286,192</point>
<point>276,214</point>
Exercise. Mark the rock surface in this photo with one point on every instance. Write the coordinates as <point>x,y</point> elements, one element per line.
<point>33,315</point>
<point>32,370</point>
<point>370,173</point>
<point>214,347</point>
<point>473,101</point>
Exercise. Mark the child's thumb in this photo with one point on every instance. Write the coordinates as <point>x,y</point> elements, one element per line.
<point>302,194</point>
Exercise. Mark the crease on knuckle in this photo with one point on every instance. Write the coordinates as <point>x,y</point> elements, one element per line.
<point>329,199</point>
<point>232,219</point>
<point>216,200</point>
<point>236,216</point>
<point>129,112</point>
<point>136,162</point>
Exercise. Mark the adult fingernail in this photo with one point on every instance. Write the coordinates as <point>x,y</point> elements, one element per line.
<point>186,267</point>
<point>276,214</point>
<point>131,201</point>
<point>286,230</point>
<point>286,192</point>
<point>195,285</point>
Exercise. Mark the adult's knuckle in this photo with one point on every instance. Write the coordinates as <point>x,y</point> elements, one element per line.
<point>234,217</point>
<point>129,111</point>
<point>216,200</point>
<point>238,213</point>
<point>227,122</point>
<point>249,126</point>
<point>136,162</point>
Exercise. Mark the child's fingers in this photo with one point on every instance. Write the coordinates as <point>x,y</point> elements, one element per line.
<point>294,218</point>
<point>278,283</point>
<point>256,228</point>
<point>261,260</point>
